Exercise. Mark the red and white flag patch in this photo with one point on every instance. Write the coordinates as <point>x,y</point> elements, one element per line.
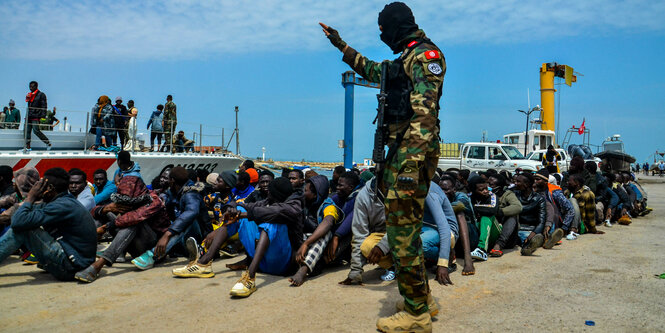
<point>432,54</point>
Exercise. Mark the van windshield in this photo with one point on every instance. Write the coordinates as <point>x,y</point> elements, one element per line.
<point>513,153</point>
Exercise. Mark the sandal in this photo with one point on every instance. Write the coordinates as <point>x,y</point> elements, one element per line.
<point>496,253</point>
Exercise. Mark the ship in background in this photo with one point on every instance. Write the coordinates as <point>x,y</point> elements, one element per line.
<point>70,149</point>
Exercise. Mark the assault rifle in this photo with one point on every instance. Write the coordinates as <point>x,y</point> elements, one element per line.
<point>381,134</point>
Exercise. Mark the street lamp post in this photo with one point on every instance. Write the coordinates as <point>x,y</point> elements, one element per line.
<point>526,131</point>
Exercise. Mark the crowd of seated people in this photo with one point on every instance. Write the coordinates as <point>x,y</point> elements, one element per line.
<point>296,224</point>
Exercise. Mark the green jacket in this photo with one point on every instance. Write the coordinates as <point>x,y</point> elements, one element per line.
<point>13,116</point>
<point>509,204</point>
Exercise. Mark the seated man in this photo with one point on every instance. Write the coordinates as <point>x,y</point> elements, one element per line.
<point>126,167</point>
<point>222,193</point>
<point>268,230</point>
<point>182,144</point>
<point>191,215</point>
<point>261,193</point>
<point>585,200</point>
<point>103,187</point>
<point>321,214</point>
<point>78,187</point>
<point>533,217</point>
<point>625,205</point>
<point>468,232</point>
<point>60,233</point>
<point>242,189</point>
<point>141,223</point>
<point>439,232</point>
<point>560,212</point>
<point>485,206</point>
<point>369,243</point>
<point>507,214</point>
<point>348,186</point>
<point>24,179</point>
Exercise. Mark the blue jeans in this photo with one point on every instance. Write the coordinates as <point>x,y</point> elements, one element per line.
<point>192,231</point>
<point>430,239</point>
<point>43,246</point>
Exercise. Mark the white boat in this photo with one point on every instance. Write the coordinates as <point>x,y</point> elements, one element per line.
<point>69,152</point>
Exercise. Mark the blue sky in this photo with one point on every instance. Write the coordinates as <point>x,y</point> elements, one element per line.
<point>271,59</point>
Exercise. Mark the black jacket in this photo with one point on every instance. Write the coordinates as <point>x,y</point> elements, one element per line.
<point>37,109</point>
<point>534,212</point>
<point>67,221</point>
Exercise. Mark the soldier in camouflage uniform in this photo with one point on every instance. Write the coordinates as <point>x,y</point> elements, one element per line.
<point>414,89</point>
<point>169,121</point>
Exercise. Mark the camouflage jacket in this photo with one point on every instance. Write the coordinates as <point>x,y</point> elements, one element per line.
<point>425,65</point>
<point>170,112</point>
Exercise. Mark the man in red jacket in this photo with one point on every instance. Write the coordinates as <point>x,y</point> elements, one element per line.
<point>142,220</point>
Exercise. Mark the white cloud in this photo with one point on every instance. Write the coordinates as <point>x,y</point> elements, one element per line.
<point>184,29</point>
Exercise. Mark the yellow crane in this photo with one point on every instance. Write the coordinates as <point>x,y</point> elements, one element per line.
<point>548,71</point>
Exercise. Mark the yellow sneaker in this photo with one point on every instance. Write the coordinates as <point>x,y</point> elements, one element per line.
<point>244,287</point>
<point>431,304</point>
<point>194,269</point>
<point>625,220</point>
<point>405,322</point>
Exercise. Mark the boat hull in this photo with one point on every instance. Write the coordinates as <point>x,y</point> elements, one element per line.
<point>151,163</point>
<point>615,161</point>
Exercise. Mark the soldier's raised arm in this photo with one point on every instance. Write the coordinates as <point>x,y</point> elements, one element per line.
<point>367,68</point>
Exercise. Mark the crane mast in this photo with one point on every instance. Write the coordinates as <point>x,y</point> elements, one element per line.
<point>548,71</point>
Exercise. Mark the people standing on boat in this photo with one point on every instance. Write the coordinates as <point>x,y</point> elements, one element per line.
<point>49,121</point>
<point>416,83</point>
<point>551,159</point>
<point>103,122</point>
<point>132,127</point>
<point>120,119</point>
<point>37,106</point>
<point>157,130</point>
<point>169,123</point>
<point>13,116</point>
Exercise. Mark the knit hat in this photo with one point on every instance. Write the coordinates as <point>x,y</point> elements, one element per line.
<point>543,174</point>
<point>366,175</point>
<point>280,189</point>
<point>118,99</point>
<point>11,102</point>
<point>253,175</point>
<point>229,178</point>
<point>212,178</point>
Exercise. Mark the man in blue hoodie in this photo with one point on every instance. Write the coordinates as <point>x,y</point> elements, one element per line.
<point>126,167</point>
<point>155,121</point>
<point>59,232</point>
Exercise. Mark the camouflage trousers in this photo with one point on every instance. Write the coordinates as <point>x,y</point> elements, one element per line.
<point>404,221</point>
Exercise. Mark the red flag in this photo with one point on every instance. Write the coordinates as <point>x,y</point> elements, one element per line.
<point>581,130</point>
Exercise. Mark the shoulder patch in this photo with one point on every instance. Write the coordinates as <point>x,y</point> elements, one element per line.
<point>435,68</point>
<point>432,54</point>
<point>411,44</point>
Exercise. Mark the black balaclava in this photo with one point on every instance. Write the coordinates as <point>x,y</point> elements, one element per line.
<point>397,22</point>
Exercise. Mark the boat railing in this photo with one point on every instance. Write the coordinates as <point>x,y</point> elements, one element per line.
<point>76,130</point>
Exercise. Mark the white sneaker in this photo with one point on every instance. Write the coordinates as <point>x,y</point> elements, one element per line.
<point>572,236</point>
<point>479,254</point>
<point>608,223</point>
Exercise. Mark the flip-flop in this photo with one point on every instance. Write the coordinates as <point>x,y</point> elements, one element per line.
<point>496,253</point>
<point>468,273</point>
